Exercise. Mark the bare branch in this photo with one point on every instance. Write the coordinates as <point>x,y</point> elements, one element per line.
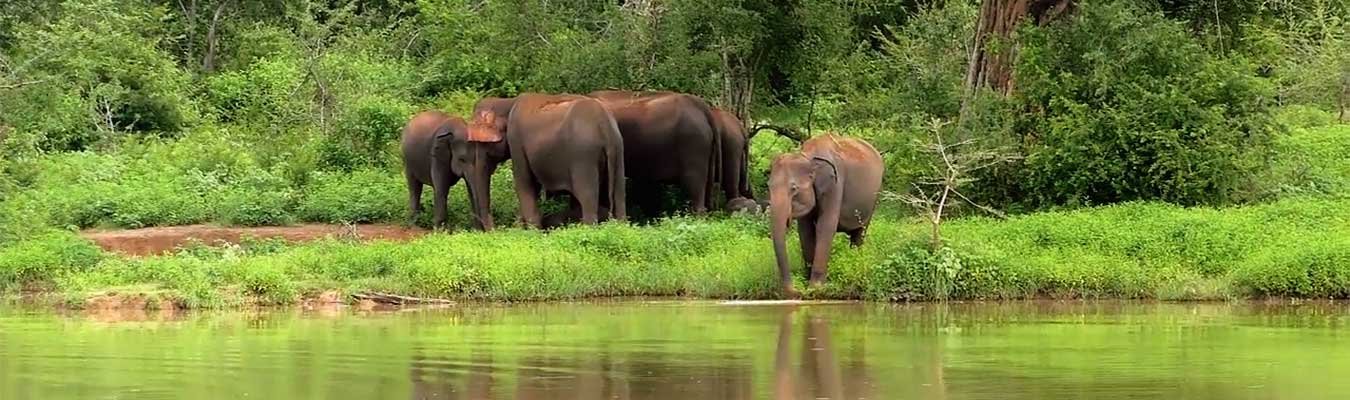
<point>784,131</point>
<point>17,85</point>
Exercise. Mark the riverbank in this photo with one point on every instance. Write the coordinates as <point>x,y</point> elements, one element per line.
<point>1290,248</point>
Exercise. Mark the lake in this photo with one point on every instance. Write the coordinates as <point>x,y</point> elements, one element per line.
<point>688,350</point>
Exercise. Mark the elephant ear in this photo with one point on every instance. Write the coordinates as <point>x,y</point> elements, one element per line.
<point>826,175</point>
<point>484,128</point>
<point>446,129</point>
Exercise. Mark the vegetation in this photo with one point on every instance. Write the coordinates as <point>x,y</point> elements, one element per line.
<point>135,113</point>
<point>1137,250</point>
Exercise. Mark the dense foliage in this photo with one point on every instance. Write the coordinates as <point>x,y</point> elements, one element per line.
<point>133,113</point>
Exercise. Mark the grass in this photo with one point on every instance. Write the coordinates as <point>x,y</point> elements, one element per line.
<point>1295,248</point>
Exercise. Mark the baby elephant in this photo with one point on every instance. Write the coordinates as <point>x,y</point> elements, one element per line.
<point>829,186</point>
<point>426,160</point>
<point>744,205</point>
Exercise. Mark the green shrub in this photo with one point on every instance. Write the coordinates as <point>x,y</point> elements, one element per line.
<point>1310,162</point>
<point>100,71</point>
<point>42,258</point>
<point>1309,266</point>
<point>360,196</point>
<point>1124,105</point>
<point>366,135</point>
<point>256,200</point>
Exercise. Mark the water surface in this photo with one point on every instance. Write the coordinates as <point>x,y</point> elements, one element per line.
<point>682,350</point>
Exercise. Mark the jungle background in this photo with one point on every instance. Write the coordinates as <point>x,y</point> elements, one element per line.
<point>134,113</point>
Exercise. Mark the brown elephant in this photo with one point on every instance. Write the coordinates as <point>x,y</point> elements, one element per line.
<point>557,143</point>
<point>735,176</point>
<point>477,160</point>
<point>668,138</point>
<point>426,161</point>
<point>829,186</point>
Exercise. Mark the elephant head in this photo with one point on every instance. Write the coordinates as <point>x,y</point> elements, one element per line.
<point>798,184</point>
<point>478,151</point>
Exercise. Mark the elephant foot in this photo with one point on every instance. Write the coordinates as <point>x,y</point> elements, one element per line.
<point>791,294</point>
<point>816,281</point>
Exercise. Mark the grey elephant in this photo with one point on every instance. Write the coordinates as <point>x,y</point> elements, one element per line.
<point>426,153</point>
<point>829,186</point>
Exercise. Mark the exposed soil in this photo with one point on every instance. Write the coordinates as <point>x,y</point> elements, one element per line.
<point>159,240</point>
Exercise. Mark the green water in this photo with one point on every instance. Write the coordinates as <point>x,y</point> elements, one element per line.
<point>679,350</point>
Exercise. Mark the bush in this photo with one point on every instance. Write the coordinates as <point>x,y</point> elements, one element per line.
<point>101,72</point>
<point>260,199</point>
<point>366,135</point>
<point>1311,266</point>
<point>360,196</point>
<point>1310,162</point>
<point>41,258</point>
<point>1122,104</point>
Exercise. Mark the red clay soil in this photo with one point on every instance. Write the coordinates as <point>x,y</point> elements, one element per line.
<point>155,241</point>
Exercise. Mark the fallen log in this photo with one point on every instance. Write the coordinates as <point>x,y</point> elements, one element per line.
<point>394,299</point>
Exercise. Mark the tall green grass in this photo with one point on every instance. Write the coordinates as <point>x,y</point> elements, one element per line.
<point>1295,248</point>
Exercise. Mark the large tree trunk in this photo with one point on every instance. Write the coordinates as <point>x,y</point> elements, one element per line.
<point>212,40</point>
<point>997,24</point>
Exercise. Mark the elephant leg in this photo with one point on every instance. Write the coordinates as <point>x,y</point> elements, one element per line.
<point>696,184</point>
<point>527,191</point>
<point>586,192</point>
<point>826,226</point>
<point>440,184</point>
<point>855,237</point>
<point>806,235</point>
<point>414,200</point>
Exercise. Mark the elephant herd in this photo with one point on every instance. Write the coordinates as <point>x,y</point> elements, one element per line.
<point>594,146</point>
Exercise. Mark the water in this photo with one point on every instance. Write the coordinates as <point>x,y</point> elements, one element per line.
<point>680,350</point>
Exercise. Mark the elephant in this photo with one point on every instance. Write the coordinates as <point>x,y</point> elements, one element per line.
<point>829,186</point>
<point>668,138</point>
<point>735,176</point>
<point>556,143</point>
<point>476,154</point>
<point>744,205</point>
<point>426,160</point>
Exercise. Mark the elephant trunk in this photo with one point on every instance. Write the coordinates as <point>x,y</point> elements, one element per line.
<point>780,213</point>
<point>480,190</point>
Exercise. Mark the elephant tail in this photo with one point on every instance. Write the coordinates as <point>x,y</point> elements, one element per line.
<point>614,167</point>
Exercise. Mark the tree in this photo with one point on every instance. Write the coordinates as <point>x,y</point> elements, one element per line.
<point>993,52</point>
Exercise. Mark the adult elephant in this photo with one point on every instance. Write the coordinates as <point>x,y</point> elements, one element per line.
<point>476,153</point>
<point>829,186</point>
<point>735,176</point>
<point>426,146</point>
<point>556,143</point>
<point>668,138</point>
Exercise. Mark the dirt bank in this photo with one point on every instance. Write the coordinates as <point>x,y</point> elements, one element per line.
<point>159,240</point>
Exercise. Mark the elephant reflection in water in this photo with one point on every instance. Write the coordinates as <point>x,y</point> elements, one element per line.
<point>437,378</point>
<point>823,375</point>
<point>820,375</point>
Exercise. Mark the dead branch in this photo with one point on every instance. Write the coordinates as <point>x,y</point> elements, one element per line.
<point>394,299</point>
<point>784,131</point>
<point>17,85</point>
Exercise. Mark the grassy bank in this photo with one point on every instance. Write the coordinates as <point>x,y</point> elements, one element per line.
<point>1297,245</point>
<point>1297,248</point>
